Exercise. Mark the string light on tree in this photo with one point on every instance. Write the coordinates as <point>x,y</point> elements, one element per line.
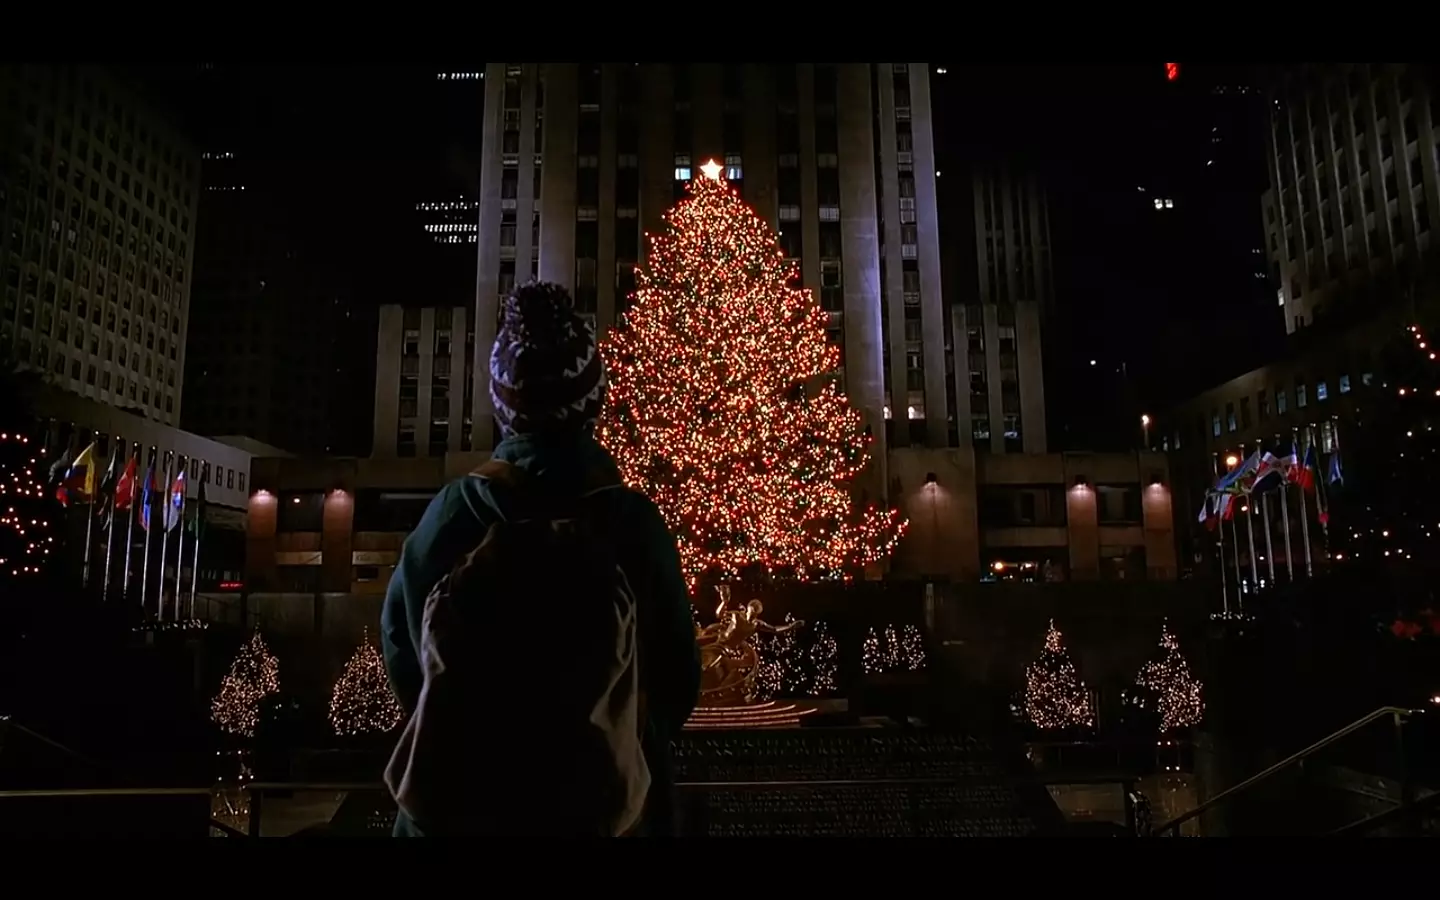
<point>1167,687</point>
<point>824,662</point>
<point>802,662</point>
<point>362,702</point>
<point>893,650</point>
<point>722,406</point>
<point>253,676</point>
<point>912,649</point>
<point>27,532</point>
<point>1055,697</point>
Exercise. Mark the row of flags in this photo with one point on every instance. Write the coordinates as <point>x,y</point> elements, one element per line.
<point>116,490</point>
<point>1263,472</point>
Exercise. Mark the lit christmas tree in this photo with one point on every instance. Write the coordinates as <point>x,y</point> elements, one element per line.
<point>722,409</point>
<point>27,532</point>
<point>872,654</point>
<point>823,670</point>
<point>893,651</point>
<point>911,652</point>
<point>253,676</point>
<point>362,702</point>
<point>1055,697</point>
<point>1167,688</point>
<point>781,672</point>
<point>1384,503</point>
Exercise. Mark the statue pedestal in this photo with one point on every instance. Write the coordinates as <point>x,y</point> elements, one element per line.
<point>753,715</point>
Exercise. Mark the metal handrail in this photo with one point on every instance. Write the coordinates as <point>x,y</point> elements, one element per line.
<point>1398,714</point>
<point>10,723</point>
<point>1403,811</point>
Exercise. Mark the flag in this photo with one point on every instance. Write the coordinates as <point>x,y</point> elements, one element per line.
<point>197,521</point>
<point>177,500</point>
<point>1225,506</point>
<point>125,486</point>
<point>1230,480</point>
<point>106,493</point>
<point>1270,473</point>
<point>59,467</point>
<point>79,481</point>
<point>1304,474</point>
<point>147,496</point>
<point>1336,476</point>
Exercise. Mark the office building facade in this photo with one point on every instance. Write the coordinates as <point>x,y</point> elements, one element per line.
<point>1354,185</point>
<point>97,219</point>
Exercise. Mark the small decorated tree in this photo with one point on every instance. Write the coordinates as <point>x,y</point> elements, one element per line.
<point>893,650</point>
<point>822,671</point>
<point>253,676</point>
<point>911,653</point>
<point>1055,697</point>
<point>1166,688</point>
<point>362,702</point>
<point>781,663</point>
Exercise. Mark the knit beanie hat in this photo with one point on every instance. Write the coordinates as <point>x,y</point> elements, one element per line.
<point>545,370</point>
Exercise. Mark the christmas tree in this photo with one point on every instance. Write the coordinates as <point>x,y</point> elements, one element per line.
<point>1167,688</point>
<point>1055,697</point>
<point>362,702</point>
<point>722,408</point>
<point>253,676</point>
<point>893,651</point>
<point>781,672</point>
<point>27,509</point>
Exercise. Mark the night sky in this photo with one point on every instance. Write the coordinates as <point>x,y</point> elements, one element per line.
<point>1172,296</point>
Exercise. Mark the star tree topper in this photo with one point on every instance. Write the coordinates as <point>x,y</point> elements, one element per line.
<point>712,170</point>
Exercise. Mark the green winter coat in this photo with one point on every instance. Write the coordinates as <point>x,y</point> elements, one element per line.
<point>457,520</point>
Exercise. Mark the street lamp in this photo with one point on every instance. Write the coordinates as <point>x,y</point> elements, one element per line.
<point>1232,461</point>
<point>1145,430</point>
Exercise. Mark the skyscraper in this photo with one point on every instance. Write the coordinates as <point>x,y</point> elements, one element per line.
<point>1353,181</point>
<point>579,160</point>
<point>98,202</point>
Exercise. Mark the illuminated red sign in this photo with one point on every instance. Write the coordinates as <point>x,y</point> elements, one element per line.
<point>1172,71</point>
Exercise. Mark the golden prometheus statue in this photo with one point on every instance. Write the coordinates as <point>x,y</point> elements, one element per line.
<point>728,659</point>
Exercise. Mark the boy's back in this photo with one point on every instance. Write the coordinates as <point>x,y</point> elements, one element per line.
<point>544,626</point>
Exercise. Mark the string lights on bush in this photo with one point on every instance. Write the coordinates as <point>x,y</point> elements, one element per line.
<point>253,676</point>
<point>1166,687</point>
<point>801,662</point>
<point>362,702</point>
<point>892,650</point>
<point>722,408</point>
<point>27,533</point>
<point>1055,697</point>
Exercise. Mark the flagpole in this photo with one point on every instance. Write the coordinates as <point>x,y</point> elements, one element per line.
<point>1219,538</point>
<point>195,567</point>
<point>1304,511</point>
<point>164,533</point>
<point>147,510</point>
<point>130,533</point>
<point>1250,533</point>
<point>180,540</point>
<point>1321,500</point>
<point>110,519</point>
<point>1269,550</point>
<point>1235,543</point>
<point>1285,520</point>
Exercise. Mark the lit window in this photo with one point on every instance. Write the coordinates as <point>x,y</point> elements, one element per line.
<point>734,169</point>
<point>682,173</point>
<point>1344,384</point>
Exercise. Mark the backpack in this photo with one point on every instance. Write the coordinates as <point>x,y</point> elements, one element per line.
<point>530,718</point>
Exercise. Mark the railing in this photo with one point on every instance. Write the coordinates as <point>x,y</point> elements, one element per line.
<point>1409,813</point>
<point>1396,714</point>
<point>98,793</point>
<point>256,792</point>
